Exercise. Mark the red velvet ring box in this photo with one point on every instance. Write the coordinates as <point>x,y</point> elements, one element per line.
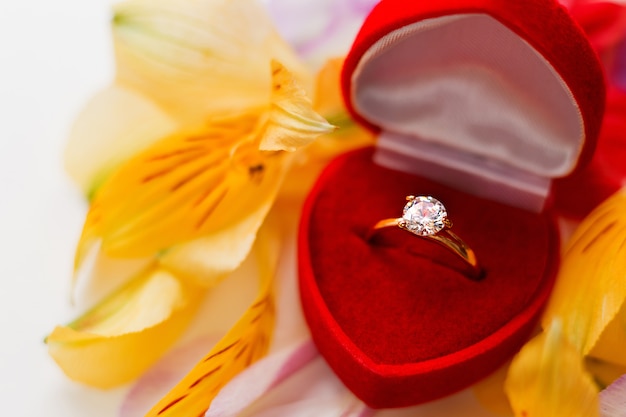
<point>479,103</point>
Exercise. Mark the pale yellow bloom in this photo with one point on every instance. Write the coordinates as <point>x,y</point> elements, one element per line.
<point>182,160</point>
<point>200,58</point>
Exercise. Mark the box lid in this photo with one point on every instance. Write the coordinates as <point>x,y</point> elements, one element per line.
<point>513,88</point>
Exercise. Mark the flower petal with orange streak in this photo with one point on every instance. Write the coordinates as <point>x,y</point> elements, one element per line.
<point>184,187</point>
<point>191,185</point>
<point>244,344</point>
<point>125,334</point>
<point>114,125</point>
<point>591,284</point>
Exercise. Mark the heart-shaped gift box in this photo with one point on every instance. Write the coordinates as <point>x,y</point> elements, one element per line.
<point>479,103</point>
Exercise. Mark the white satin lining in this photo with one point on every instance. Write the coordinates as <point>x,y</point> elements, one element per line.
<point>471,85</point>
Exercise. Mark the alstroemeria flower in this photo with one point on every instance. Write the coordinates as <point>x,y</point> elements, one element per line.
<point>199,58</point>
<point>584,332</point>
<point>200,183</point>
<point>127,332</point>
<point>246,342</point>
<point>190,147</point>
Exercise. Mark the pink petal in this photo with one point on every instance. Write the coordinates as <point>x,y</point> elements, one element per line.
<point>613,399</point>
<point>260,378</point>
<point>312,391</point>
<point>291,326</point>
<point>322,28</point>
<point>155,383</point>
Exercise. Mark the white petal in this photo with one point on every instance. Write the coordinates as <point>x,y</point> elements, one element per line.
<point>613,399</point>
<point>260,378</point>
<point>313,391</point>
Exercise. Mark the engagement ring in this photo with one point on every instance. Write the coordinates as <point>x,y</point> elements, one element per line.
<point>426,217</point>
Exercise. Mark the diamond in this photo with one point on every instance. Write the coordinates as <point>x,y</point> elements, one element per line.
<point>424,216</point>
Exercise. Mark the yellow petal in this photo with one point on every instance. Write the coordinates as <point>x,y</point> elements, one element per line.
<point>101,275</point>
<point>183,188</point>
<point>328,101</point>
<point>125,334</point>
<point>244,344</point>
<point>198,57</point>
<point>328,98</point>
<point>312,159</point>
<point>604,373</point>
<point>113,126</point>
<point>292,123</point>
<point>209,259</point>
<point>611,346</point>
<point>591,285</point>
<point>547,378</point>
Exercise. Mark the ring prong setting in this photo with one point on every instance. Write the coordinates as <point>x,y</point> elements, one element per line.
<point>425,216</point>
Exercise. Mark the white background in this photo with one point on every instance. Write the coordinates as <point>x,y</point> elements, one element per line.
<point>53,56</point>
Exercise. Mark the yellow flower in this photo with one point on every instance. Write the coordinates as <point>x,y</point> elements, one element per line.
<point>181,159</point>
<point>192,184</point>
<point>199,58</point>
<point>118,339</point>
<point>581,351</point>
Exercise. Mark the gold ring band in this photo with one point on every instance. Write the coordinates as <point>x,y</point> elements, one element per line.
<point>426,217</point>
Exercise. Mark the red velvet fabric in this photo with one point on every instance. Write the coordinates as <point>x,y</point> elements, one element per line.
<point>578,194</point>
<point>603,22</point>
<point>544,24</point>
<point>396,317</point>
<point>605,26</point>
